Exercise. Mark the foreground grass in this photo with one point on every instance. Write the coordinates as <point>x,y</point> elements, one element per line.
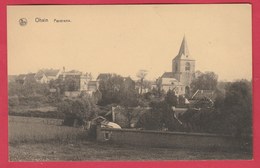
<point>92,151</point>
<point>37,139</point>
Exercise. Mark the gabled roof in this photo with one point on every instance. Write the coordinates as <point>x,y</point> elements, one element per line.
<point>51,72</point>
<point>39,75</point>
<point>46,72</point>
<point>200,94</point>
<point>168,75</point>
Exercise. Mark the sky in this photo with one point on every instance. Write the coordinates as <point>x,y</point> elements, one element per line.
<point>124,39</point>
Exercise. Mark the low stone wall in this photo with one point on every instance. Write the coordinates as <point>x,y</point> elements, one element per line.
<point>166,139</point>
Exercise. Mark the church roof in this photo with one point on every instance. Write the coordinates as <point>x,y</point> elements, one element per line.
<point>168,75</point>
<point>184,50</point>
<point>184,47</point>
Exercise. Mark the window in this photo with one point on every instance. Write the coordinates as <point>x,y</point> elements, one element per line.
<point>187,66</point>
<point>107,136</point>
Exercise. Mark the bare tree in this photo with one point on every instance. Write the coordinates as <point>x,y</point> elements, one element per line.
<point>141,74</point>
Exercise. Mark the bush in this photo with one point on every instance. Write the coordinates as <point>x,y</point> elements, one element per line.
<point>77,111</point>
<point>159,117</point>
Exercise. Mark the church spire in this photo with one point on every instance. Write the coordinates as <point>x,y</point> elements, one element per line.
<point>184,51</point>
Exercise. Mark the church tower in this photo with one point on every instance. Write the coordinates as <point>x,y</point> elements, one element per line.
<point>183,66</point>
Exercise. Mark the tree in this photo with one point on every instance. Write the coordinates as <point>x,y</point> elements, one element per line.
<point>71,84</point>
<point>238,107</point>
<point>110,88</point>
<point>205,81</point>
<point>118,90</point>
<point>141,74</point>
<point>28,88</point>
<point>232,112</point>
<point>158,91</point>
<point>159,117</point>
<point>15,88</point>
<point>181,101</point>
<point>171,99</point>
<point>79,110</point>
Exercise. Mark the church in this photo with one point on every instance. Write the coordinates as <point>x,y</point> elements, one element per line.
<point>182,74</point>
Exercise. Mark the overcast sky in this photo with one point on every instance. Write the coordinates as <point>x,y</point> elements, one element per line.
<point>126,38</point>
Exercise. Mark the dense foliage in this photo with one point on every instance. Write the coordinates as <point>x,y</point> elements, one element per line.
<point>118,90</point>
<point>205,81</point>
<point>232,113</point>
<point>77,111</point>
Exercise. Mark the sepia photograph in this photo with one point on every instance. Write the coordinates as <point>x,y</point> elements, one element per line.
<point>148,82</point>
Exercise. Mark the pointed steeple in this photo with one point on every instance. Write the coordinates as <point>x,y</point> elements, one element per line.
<point>184,51</point>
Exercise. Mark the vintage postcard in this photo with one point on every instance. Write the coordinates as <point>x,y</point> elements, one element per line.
<point>129,82</point>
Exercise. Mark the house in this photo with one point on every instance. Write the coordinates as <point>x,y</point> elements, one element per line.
<point>82,81</point>
<point>46,75</point>
<point>93,86</point>
<point>203,99</point>
<point>85,80</point>
<point>74,77</point>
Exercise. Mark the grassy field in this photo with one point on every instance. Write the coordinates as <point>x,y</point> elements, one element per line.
<point>37,139</point>
<point>38,130</point>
